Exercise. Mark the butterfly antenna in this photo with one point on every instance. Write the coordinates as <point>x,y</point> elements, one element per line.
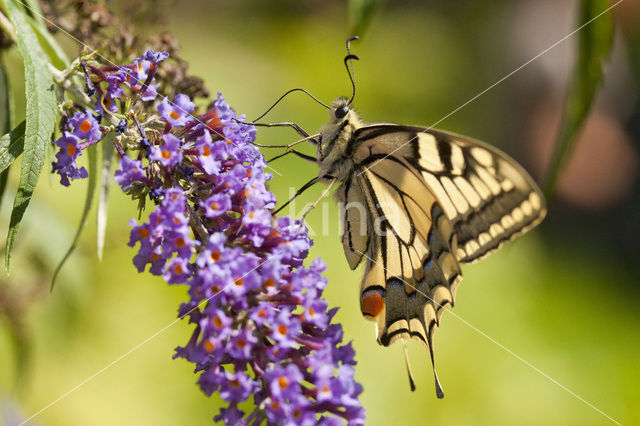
<point>348,63</point>
<point>288,92</point>
<point>412,382</point>
<point>439,391</point>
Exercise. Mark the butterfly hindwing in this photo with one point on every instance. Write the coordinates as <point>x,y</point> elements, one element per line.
<point>411,271</point>
<point>355,235</point>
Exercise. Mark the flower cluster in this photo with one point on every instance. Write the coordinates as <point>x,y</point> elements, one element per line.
<point>264,338</point>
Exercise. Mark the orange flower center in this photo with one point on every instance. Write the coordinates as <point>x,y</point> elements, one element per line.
<point>217,322</point>
<point>209,346</point>
<point>283,382</point>
<point>71,150</point>
<point>143,232</point>
<point>215,255</point>
<point>166,154</point>
<point>85,126</point>
<point>282,329</point>
<point>174,115</point>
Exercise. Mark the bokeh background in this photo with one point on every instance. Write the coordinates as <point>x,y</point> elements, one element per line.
<point>554,311</point>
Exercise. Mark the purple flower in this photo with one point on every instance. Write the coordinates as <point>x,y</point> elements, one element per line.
<point>242,343</point>
<point>155,57</point>
<point>129,171</point>
<point>208,156</point>
<point>168,154</point>
<point>65,164</point>
<point>285,328</point>
<point>284,383</point>
<point>216,205</point>
<point>261,326</point>
<point>177,114</point>
<point>263,314</point>
<point>213,250</point>
<point>217,322</point>
<point>230,416</point>
<point>85,126</point>
<point>150,93</point>
<point>177,271</point>
<point>237,387</point>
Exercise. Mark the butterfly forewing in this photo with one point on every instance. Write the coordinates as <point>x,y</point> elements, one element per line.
<point>486,195</point>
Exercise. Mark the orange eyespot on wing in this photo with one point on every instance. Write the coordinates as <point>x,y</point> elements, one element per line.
<point>372,302</point>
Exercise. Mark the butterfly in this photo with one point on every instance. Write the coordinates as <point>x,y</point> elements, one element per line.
<point>417,204</point>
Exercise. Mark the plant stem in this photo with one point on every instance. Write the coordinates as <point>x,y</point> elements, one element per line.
<point>7,28</point>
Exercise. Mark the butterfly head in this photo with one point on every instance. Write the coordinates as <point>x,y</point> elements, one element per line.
<point>340,110</point>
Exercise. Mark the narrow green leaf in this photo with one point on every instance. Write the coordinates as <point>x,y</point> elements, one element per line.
<point>4,178</point>
<point>361,13</point>
<point>33,8</point>
<point>40,116</point>
<point>594,47</point>
<point>7,102</point>
<point>56,55</point>
<point>105,183</point>
<point>91,190</point>
<point>11,146</point>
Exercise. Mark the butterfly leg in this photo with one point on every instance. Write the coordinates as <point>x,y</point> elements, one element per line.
<point>293,125</point>
<point>292,144</point>
<point>298,153</point>
<point>298,192</point>
<point>315,203</point>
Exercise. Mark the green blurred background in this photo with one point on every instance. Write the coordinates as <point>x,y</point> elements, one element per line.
<point>556,308</point>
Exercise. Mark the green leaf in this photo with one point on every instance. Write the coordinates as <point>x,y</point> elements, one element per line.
<point>8,103</point>
<point>361,13</point>
<point>595,40</point>
<point>105,183</point>
<point>11,146</point>
<point>7,119</point>
<point>35,12</point>
<point>40,116</point>
<point>56,55</point>
<point>91,190</point>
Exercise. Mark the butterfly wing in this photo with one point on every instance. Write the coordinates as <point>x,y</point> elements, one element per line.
<point>488,197</point>
<point>432,200</point>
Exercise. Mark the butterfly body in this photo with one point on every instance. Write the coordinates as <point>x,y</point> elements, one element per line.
<point>417,204</point>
